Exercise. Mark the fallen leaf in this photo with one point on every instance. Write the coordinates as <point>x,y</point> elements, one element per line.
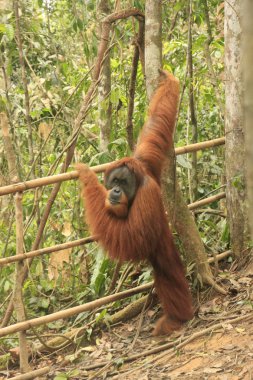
<point>245,280</point>
<point>44,130</point>
<point>212,370</point>
<point>89,348</point>
<point>67,229</point>
<point>240,330</point>
<point>56,263</point>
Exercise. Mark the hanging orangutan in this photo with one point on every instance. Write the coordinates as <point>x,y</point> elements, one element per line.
<point>127,216</point>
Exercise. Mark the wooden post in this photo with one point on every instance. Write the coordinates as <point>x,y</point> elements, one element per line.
<point>17,291</point>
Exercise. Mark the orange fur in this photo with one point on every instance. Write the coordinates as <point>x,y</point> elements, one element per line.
<point>144,232</point>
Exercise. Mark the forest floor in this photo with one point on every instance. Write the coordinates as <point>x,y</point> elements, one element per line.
<point>217,344</point>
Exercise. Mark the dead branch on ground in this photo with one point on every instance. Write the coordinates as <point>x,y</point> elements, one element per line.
<point>31,375</point>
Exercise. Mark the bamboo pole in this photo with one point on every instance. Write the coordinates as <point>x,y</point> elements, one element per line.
<point>63,314</point>
<point>18,289</point>
<point>39,182</point>
<point>76,243</point>
<point>202,202</point>
<point>199,146</point>
<point>21,326</point>
<point>43,251</point>
<point>220,256</point>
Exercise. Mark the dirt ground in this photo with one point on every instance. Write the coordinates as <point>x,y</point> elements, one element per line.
<point>217,344</point>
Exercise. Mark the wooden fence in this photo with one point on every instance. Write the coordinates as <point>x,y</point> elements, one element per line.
<point>20,257</point>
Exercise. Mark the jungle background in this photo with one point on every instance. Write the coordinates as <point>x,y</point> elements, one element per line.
<point>48,61</point>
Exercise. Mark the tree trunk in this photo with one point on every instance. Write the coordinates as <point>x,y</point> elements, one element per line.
<point>17,292</point>
<point>182,221</point>
<point>247,59</point>
<point>153,44</point>
<point>193,178</point>
<point>179,215</point>
<point>234,129</point>
<point>138,54</point>
<point>18,33</point>
<point>104,88</point>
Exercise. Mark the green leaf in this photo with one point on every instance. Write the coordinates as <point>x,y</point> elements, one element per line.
<point>7,286</point>
<point>80,24</point>
<point>101,315</point>
<point>2,28</point>
<point>10,32</point>
<point>99,273</point>
<point>45,303</point>
<point>39,269</point>
<point>61,376</point>
<point>225,231</point>
<point>183,161</point>
<point>114,97</point>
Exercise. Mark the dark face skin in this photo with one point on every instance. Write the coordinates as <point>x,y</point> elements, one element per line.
<point>121,181</point>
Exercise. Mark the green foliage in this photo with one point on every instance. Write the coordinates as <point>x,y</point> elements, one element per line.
<point>100,271</point>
